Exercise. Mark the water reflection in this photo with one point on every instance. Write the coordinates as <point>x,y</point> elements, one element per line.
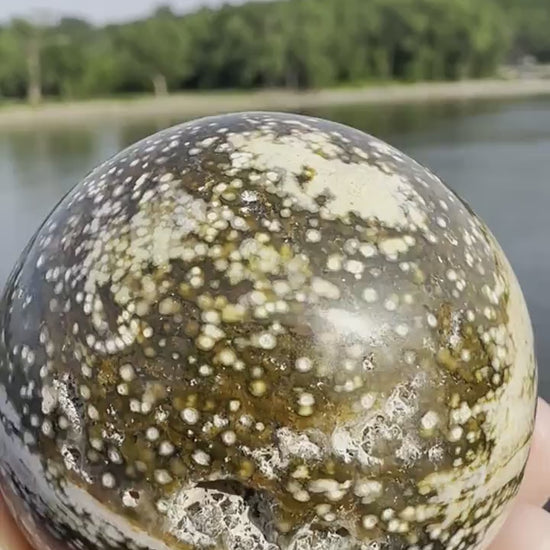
<point>388,121</point>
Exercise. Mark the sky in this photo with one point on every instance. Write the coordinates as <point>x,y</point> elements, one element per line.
<point>97,11</point>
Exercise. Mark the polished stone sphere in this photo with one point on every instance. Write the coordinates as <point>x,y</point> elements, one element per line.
<point>263,331</point>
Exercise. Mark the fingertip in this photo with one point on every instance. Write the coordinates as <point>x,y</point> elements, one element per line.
<point>527,527</point>
<point>535,488</point>
<point>540,446</point>
<point>11,537</point>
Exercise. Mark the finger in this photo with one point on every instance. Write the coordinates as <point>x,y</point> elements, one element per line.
<point>10,536</point>
<point>535,488</point>
<point>528,527</point>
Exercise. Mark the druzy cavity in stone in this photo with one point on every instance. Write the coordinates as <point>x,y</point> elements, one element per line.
<point>263,332</point>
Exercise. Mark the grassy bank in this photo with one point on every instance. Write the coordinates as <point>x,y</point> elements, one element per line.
<point>205,103</point>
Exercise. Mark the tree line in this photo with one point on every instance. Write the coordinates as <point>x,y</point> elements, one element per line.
<point>282,43</point>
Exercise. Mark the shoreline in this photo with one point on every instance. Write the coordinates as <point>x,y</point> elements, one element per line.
<point>193,104</point>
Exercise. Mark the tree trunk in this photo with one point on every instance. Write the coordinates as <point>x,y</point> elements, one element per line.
<point>291,78</point>
<point>160,85</point>
<point>34,84</point>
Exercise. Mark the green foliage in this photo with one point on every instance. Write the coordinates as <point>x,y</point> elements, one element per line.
<point>154,50</point>
<point>531,27</point>
<point>12,64</point>
<point>65,52</point>
<point>282,43</point>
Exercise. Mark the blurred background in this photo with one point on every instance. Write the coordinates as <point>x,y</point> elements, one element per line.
<point>463,86</point>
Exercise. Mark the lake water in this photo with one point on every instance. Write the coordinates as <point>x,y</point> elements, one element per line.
<point>496,155</point>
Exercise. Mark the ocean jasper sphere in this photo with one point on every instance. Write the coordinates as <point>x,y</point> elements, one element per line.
<point>258,332</point>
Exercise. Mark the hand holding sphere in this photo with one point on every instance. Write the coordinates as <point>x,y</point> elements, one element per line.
<point>264,331</point>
